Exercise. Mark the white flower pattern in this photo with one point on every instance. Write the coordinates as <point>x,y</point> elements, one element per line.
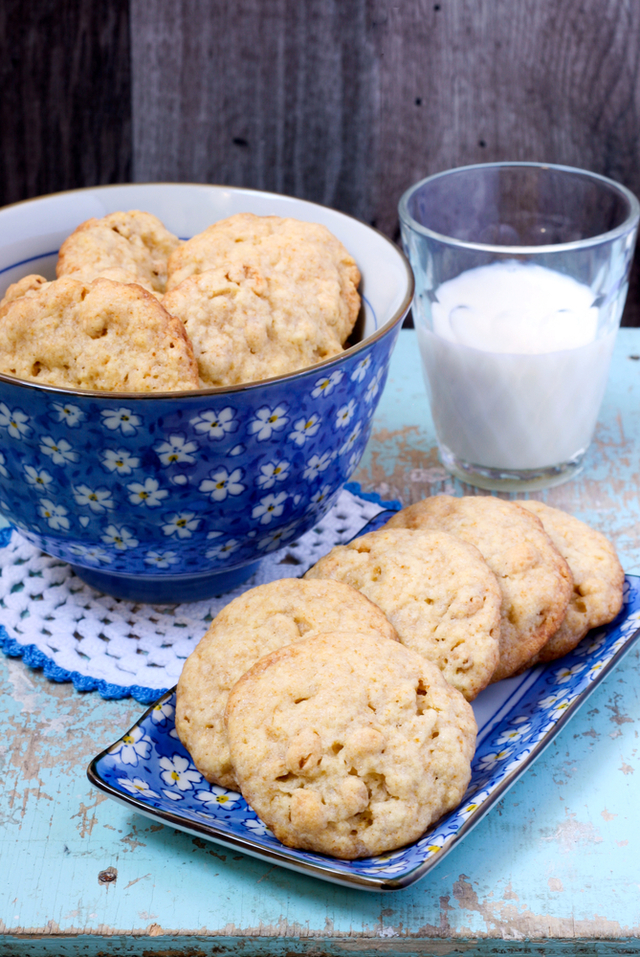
<point>15,421</point>
<point>222,483</point>
<point>182,525</point>
<point>120,461</point>
<point>317,464</point>
<point>271,473</point>
<point>326,385</point>
<point>71,415</point>
<point>38,478</point>
<point>270,507</point>
<point>345,414</point>
<point>221,551</point>
<point>147,493</point>
<point>137,786</point>
<point>176,450</point>
<point>133,746</point>
<point>121,420</point>
<point>304,429</point>
<point>215,424</point>
<point>98,500</point>
<point>179,772</point>
<point>267,421</point>
<point>161,559</point>
<point>55,515</point>
<point>60,452</point>
<point>120,537</point>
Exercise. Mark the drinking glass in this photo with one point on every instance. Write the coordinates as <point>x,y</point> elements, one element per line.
<point>521,273</point>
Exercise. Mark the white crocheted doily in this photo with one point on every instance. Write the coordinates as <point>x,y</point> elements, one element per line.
<point>56,622</point>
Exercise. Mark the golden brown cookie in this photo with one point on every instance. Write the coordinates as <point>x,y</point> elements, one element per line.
<point>105,336</point>
<point>242,332</point>
<point>301,268</point>
<point>598,578</point>
<point>348,745</point>
<point>436,590</point>
<point>128,246</point>
<point>535,580</point>
<point>258,622</point>
<point>24,287</point>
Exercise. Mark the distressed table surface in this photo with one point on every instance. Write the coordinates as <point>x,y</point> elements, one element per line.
<point>552,869</point>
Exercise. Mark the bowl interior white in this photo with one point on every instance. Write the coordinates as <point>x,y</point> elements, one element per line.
<point>32,232</point>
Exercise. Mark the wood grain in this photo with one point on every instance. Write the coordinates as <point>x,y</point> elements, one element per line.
<point>65,109</point>
<point>271,94</point>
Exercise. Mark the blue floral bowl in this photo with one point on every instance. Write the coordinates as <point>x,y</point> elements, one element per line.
<point>177,496</point>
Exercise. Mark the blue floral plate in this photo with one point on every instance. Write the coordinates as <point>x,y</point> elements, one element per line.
<point>149,770</point>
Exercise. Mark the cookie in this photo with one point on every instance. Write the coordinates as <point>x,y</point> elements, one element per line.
<point>301,268</point>
<point>598,578</point>
<point>249,627</point>
<point>348,745</point>
<point>535,580</point>
<point>126,246</point>
<point>242,332</point>
<point>104,336</point>
<point>23,287</point>
<point>436,590</point>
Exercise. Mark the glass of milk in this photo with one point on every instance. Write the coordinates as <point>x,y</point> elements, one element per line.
<point>521,275</point>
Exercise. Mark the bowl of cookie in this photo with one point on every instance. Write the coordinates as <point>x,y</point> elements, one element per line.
<point>188,376</point>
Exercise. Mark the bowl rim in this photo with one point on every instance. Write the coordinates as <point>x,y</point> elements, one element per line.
<point>397,316</point>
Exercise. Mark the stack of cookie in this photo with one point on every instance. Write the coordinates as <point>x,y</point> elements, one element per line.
<point>134,310</point>
<point>343,740</point>
<point>548,579</point>
<point>337,703</point>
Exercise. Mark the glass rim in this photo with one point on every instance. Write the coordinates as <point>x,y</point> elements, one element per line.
<point>630,221</point>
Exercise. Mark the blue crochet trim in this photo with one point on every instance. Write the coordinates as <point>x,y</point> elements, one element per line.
<point>37,660</point>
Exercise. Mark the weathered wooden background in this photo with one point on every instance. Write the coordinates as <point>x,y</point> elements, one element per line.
<point>345,102</point>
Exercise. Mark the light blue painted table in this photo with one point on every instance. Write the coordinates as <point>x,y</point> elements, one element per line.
<point>553,869</point>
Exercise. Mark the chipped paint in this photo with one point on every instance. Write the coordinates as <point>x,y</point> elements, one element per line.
<point>86,824</point>
<point>24,690</point>
<point>571,833</point>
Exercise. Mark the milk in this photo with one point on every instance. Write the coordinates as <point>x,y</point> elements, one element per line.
<point>513,365</point>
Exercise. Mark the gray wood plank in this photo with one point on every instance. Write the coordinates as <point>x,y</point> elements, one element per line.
<point>272,94</point>
<point>65,108</point>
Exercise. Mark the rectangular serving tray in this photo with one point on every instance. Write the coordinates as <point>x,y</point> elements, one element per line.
<point>149,770</point>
